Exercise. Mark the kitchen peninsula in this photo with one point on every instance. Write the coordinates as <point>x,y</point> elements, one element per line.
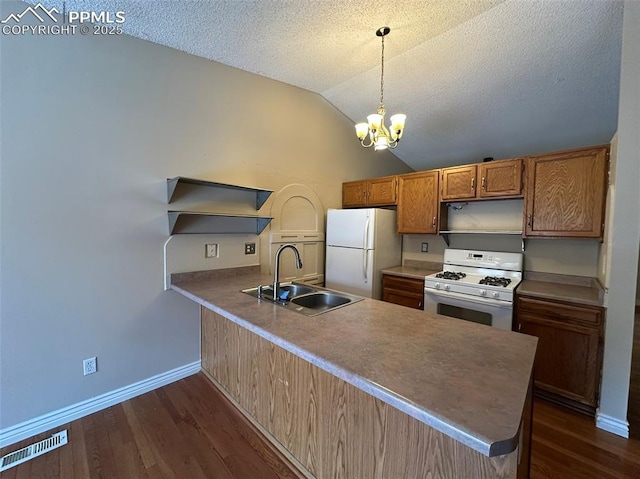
<point>371,389</point>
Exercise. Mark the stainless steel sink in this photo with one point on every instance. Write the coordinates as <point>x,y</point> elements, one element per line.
<point>305,299</point>
<point>321,300</point>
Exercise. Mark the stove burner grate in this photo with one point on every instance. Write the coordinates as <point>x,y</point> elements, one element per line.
<point>495,281</point>
<point>452,275</point>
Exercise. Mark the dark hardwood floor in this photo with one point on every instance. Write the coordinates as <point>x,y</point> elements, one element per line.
<point>567,444</point>
<point>189,430</point>
<point>185,430</point>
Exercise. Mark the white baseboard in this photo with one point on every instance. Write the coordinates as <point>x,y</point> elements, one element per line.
<point>613,425</point>
<point>24,430</point>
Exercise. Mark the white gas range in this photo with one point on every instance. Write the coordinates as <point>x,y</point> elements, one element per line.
<point>476,286</point>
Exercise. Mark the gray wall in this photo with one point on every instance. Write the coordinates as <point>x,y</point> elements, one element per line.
<point>91,127</point>
<point>624,236</point>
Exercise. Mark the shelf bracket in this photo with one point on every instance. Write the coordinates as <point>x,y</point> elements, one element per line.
<point>172,183</point>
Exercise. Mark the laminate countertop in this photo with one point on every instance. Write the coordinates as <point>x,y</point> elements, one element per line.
<point>467,380</point>
<point>410,272</point>
<point>573,289</point>
<point>414,269</point>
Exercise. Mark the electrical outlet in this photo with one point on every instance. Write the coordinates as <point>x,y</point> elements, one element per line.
<point>249,248</point>
<point>424,248</point>
<point>211,250</point>
<point>90,365</point>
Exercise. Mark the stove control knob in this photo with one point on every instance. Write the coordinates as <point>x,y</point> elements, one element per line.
<point>495,294</point>
<point>483,292</point>
<point>437,285</point>
<point>447,287</point>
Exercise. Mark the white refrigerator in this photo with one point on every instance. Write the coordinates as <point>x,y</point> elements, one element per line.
<point>360,243</point>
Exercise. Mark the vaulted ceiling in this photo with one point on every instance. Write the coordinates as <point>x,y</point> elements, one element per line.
<point>476,78</point>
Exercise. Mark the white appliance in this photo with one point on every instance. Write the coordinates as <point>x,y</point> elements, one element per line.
<point>360,243</point>
<point>476,286</point>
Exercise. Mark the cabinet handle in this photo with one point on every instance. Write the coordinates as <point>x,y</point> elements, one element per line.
<point>483,181</point>
<point>529,221</point>
<point>473,183</point>
<point>520,327</point>
<point>434,222</point>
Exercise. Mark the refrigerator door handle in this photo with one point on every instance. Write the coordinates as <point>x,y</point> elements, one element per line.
<point>365,251</point>
<point>365,243</point>
<point>365,263</point>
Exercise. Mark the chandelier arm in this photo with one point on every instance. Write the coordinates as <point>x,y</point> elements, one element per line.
<point>369,145</point>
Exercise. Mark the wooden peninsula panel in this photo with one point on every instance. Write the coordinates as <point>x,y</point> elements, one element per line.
<point>330,427</point>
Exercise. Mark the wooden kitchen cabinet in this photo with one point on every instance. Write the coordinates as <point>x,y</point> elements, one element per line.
<point>403,291</point>
<point>500,178</point>
<point>372,192</point>
<point>565,193</point>
<point>569,357</point>
<point>458,183</point>
<point>354,193</point>
<point>494,179</point>
<point>418,205</point>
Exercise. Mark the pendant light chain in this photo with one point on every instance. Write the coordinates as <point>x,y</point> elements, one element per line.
<point>382,76</point>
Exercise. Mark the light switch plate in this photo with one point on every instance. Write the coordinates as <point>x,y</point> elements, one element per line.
<point>249,248</point>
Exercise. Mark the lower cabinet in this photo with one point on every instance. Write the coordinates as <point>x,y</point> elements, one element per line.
<point>403,291</point>
<point>329,428</point>
<point>569,358</point>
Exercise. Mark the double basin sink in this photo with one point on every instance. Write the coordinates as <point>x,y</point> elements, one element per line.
<point>303,298</point>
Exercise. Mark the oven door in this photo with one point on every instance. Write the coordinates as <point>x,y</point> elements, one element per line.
<point>491,312</point>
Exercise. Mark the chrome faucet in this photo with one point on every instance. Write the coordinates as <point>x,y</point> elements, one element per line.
<point>276,266</point>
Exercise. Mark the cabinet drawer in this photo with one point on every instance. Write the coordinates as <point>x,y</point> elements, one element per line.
<point>555,310</point>
<point>411,301</point>
<point>410,286</point>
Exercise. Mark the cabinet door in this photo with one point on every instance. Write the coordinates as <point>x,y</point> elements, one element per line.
<point>567,358</point>
<point>565,194</point>
<point>500,178</point>
<point>381,191</point>
<point>418,202</point>
<point>458,183</point>
<point>354,193</point>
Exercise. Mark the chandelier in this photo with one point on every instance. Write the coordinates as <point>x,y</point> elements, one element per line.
<point>380,137</point>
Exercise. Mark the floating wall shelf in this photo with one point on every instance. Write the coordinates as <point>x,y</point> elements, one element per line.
<point>172,183</point>
<point>194,222</point>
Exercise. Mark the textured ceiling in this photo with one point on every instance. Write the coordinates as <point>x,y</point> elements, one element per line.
<point>476,78</point>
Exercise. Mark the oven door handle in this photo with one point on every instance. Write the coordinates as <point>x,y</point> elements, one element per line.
<point>434,294</point>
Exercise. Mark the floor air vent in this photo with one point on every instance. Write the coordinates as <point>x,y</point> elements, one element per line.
<point>34,450</point>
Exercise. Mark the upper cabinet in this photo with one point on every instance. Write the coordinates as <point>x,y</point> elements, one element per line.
<point>418,205</point>
<point>495,179</point>
<point>373,192</point>
<point>565,194</point>
<point>458,183</point>
<point>500,178</point>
